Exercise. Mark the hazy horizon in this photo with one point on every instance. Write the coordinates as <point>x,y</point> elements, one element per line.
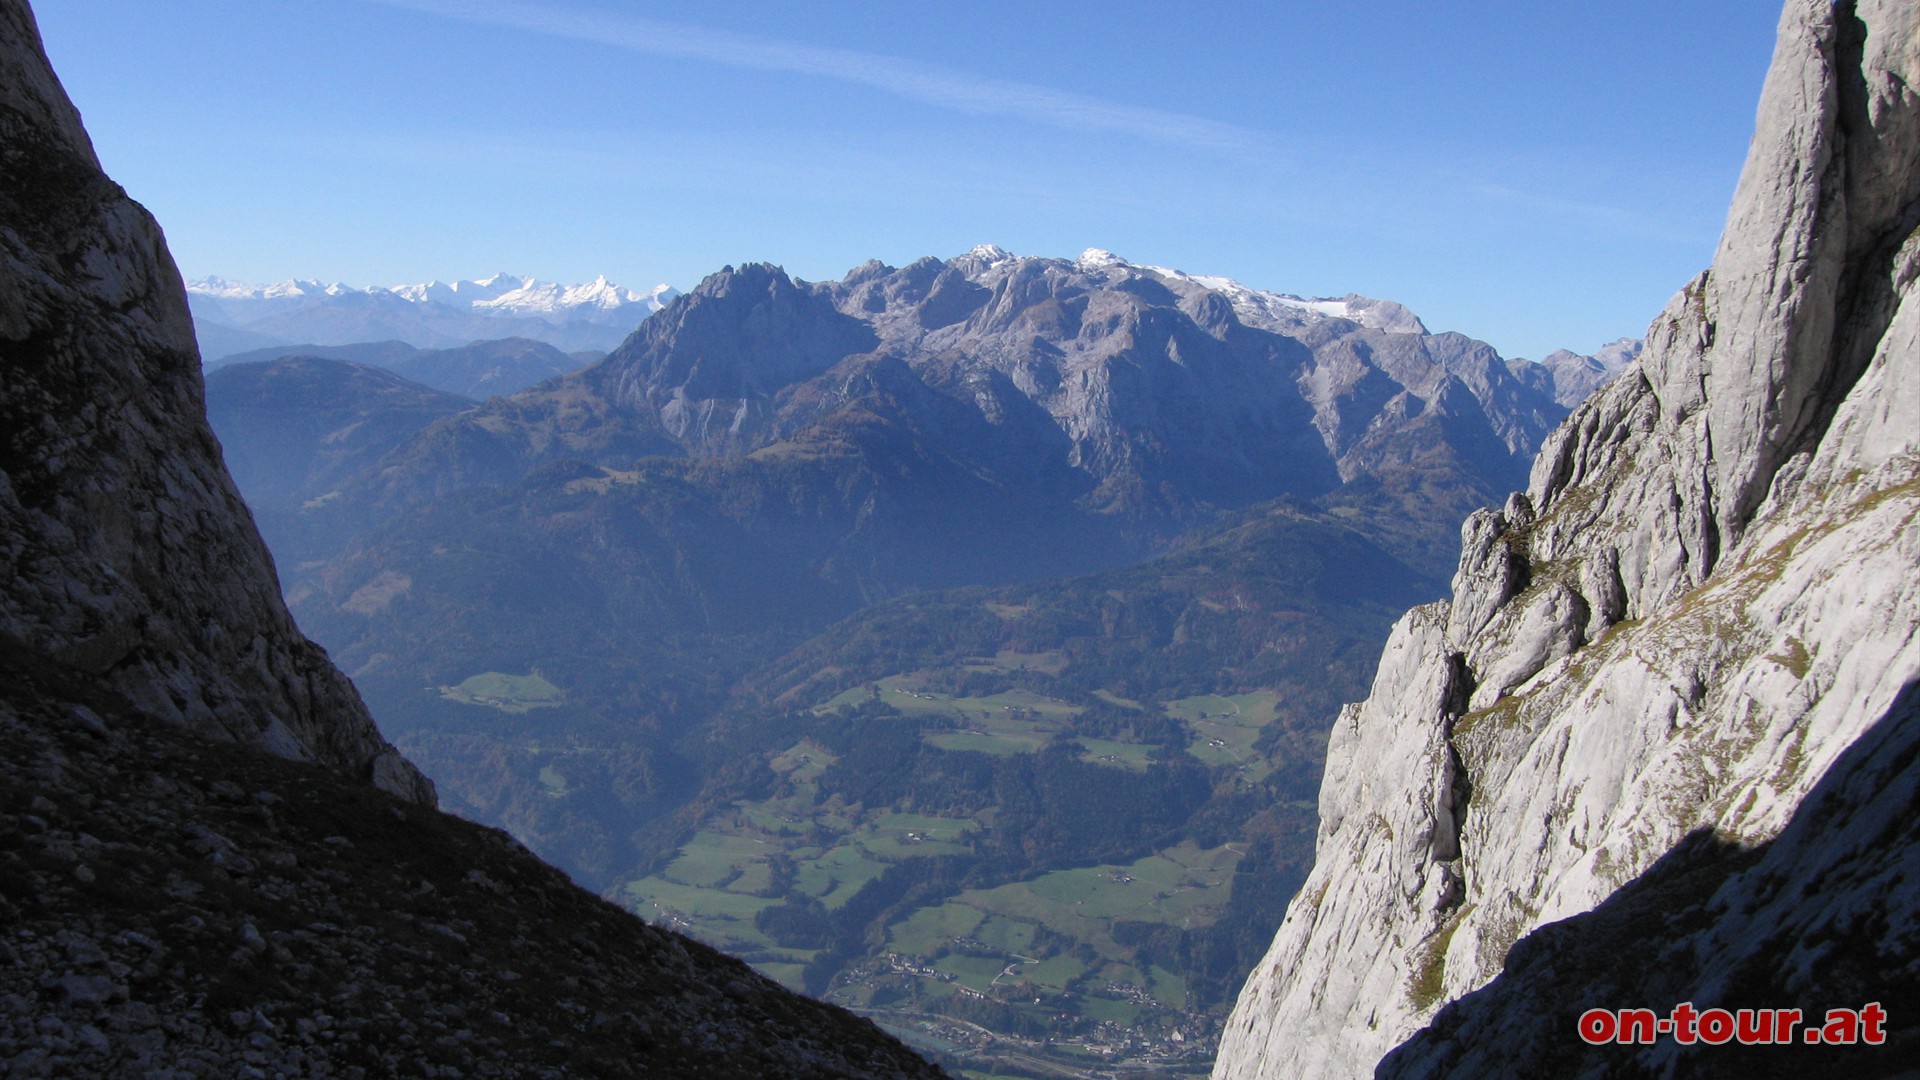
<point>1537,179</point>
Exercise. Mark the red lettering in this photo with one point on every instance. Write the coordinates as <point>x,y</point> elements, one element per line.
<point>1716,1026</point>
<point>1872,1016</point>
<point>1683,1019</point>
<point>1638,1025</point>
<point>1756,1026</point>
<point>1597,1026</point>
<point>1843,1027</point>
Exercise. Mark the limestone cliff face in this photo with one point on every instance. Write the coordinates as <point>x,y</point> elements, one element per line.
<point>1706,598</point>
<point>125,551</point>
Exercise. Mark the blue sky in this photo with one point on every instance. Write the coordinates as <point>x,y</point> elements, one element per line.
<point>1533,175</point>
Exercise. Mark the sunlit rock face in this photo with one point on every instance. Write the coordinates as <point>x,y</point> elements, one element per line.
<point>126,552</point>
<point>1687,652</point>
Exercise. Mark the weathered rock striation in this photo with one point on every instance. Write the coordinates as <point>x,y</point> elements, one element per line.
<point>1678,671</point>
<point>126,551</point>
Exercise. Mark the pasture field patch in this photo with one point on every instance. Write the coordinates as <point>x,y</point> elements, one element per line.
<point>713,857</point>
<point>713,914</point>
<point>1094,892</point>
<point>777,817</point>
<point>835,876</point>
<point>508,693</point>
<point>803,762</point>
<point>923,932</point>
<point>755,878</point>
<point>1005,934</point>
<point>1123,1013</point>
<point>1184,886</point>
<point>1254,710</point>
<point>973,972</point>
<point>910,696</point>
<point>894,846</point>
<point>1055,971</point>
<point>894,836</point>
<point>1119,755</point>
<point>933,828</point>
<point>1169,988</point>
<point>1226,728</point>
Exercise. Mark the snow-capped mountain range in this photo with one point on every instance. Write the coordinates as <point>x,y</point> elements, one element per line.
<point>1260,307</point>
<point>235,316</point>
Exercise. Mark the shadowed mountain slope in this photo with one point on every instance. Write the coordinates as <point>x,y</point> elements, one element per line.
<point>478,371</point>
<point>210,861</point>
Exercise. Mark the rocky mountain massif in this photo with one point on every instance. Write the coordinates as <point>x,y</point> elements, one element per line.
<point>211,864</point>
<point>1660,746</point>
<point>768,455</point>
<point>1132,388</point>
<point>1169,519</point>
<point>231,317</point>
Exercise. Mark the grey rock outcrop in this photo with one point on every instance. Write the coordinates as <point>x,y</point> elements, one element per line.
<point>125,550</point>
<point>1702,610</point>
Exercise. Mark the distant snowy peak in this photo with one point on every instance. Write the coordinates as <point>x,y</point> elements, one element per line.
<point>988,253</point>
<point>1256,307</point>
<point>233,317</point>
<point>1098,259</point>
<point>1574,376</point>
<point>222,289</point>
<point>501,294</point>
<point>544,297</point>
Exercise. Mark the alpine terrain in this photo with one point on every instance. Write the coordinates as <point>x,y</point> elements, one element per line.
<point>954,640</point>
<point>211,862</point>
<point>1660,745</point>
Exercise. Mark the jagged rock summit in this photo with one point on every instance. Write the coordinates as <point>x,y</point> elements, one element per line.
<point>1131,389</point>
<point>211,864</point>
<point>1677,679</point>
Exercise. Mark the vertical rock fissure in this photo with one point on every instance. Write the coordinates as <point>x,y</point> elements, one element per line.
<point>1864,300</point>
<point>1456,785</point>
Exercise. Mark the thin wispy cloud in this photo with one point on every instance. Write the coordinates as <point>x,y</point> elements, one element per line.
<point>927,83</point>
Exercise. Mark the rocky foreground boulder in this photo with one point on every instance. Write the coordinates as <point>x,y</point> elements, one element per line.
<point>211,864</point>
<point>1662,744</point>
